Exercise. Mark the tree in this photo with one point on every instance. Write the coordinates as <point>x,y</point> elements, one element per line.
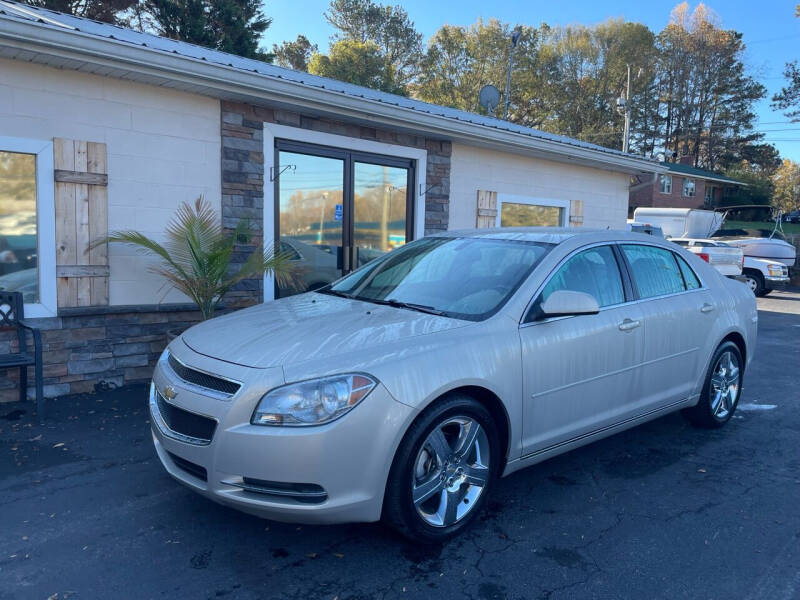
<point>108,11</point>
<point>294,55</point>
<point>459,61</point>
<point>788,99</point>
<point>233,26</point>
<point>360,63</point>
<point>706,96</point>
<point>388,27</point>
<point>786,181</point>
<point>585,71</point>
<point>759,188</point>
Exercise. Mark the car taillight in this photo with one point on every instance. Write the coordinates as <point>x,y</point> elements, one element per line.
<point>704,256</point>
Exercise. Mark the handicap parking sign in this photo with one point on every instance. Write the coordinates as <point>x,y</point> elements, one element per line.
<point>337,215</point>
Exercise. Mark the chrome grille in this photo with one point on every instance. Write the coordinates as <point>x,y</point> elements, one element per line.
<point>202,379</point>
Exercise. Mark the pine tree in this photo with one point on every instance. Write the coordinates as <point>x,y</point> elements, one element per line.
<point>788,99</point>
<point>294,55</point>
<point>233,26</point>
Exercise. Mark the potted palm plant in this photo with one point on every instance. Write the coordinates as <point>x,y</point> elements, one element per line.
<point>195,257</point>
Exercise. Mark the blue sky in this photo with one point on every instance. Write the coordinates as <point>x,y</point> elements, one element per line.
<point>771,32</point>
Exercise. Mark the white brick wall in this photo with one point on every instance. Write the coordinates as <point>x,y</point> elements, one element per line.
<point>605,193</point>
<point>163,149</point>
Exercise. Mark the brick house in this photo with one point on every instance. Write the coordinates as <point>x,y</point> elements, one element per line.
<point>681,186</point>
<point>103,128</point>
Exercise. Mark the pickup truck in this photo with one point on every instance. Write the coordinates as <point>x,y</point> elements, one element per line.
<point>726,259</point>
<point>761,275</point>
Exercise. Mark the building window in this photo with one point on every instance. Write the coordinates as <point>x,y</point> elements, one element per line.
<point>665,184</point>
<point>523,211</point>
<point>688,188</point>
<point>27,223</point>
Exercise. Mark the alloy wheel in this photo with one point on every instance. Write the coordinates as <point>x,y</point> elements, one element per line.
<point>451,471</point>
<point>724,385</point>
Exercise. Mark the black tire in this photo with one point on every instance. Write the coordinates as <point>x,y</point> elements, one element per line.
<point>763,292</point>
<point>755,281</point>
<point>399,510</point>
<point>703,414</point>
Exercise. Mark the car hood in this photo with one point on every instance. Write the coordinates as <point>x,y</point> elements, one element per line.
<point>306,327</point>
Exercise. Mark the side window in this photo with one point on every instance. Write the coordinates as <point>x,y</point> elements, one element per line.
<point>691,280</point>
<point>593,271</point>
<point>654,271</point>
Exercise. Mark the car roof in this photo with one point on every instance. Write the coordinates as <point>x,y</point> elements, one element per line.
<point>551,235</point>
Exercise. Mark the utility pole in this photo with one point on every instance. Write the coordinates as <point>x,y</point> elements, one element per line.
<point>514,39</point>
<point>627,138</point>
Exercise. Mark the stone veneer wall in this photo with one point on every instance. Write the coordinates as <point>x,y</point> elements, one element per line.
<point>87,349</point>
<point>243,171</point>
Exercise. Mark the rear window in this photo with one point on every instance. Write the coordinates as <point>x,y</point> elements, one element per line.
<point>689,278</point>
<point>654,270</point>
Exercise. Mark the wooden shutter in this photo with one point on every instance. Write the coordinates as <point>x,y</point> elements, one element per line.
<point>81,200</point>
<point>487,209</point>
<point>576,213</point>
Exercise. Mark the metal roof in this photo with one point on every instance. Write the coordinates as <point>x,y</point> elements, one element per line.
<point>683,169</point>
<point>44,18</point>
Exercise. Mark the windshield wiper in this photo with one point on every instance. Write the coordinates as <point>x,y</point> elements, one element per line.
<point>423,308</point>
<point>335,293</point>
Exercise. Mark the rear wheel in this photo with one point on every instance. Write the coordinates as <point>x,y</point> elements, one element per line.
<point>721,389</point>
<point>443,470</point>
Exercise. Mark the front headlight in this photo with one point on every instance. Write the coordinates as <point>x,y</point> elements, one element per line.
<point>312,402</point>
<point>775,270</point>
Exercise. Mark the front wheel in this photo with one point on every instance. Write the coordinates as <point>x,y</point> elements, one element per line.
<point>721,389</point>
<point>443,470</point>
<point>755,281</point>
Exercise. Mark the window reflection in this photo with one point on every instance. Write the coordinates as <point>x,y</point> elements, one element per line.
<point>380,194</point>
<point>311,215</point>
<point>18,245</point>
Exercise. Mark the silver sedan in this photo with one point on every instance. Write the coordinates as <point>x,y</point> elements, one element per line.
<point>405,389</point>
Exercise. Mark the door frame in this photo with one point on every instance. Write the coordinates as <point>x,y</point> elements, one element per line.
<point>336,144</point>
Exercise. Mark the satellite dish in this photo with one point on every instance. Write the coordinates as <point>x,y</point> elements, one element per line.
<point>489,98</point>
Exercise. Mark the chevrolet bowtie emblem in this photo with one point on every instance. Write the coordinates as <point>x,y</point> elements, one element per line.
<point>169,392</point>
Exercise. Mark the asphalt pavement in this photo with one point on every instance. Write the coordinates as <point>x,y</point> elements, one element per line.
<point>660,511</point>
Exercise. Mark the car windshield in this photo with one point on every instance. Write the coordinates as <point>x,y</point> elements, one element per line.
<point>463,278</point>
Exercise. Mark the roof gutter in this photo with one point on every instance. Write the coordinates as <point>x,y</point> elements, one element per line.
<point>121,58</point>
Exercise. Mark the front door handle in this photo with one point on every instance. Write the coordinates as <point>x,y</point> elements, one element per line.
<point>706,308</point>
<point>629,325</point>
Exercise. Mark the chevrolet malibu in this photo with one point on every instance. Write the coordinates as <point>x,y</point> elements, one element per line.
<point>405,389</point>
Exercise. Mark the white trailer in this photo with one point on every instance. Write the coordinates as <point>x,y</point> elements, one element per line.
<point>680,222</point>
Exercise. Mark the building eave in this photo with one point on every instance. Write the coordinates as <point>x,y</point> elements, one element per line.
<point>67,48</point>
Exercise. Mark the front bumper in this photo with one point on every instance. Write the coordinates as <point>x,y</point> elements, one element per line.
<point>776,282</point>
<point>331,473</point>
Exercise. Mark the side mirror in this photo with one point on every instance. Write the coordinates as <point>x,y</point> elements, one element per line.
<point>563,303</point>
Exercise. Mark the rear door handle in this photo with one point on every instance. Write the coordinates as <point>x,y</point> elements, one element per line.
<point>628,325</point>
<point>706,308</point>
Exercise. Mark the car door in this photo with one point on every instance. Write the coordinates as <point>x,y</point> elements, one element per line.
<point>580,373</point>
<point>678,316</point>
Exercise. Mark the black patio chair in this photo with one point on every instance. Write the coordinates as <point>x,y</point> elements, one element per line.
<point>12,315</point>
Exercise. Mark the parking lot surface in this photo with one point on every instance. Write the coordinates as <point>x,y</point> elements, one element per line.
<point>660,511</point>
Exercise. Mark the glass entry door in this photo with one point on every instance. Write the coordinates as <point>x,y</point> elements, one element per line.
<point>380,217</point>
<point>337,210</point>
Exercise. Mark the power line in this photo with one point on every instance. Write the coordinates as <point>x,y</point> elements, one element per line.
<point>775,39</point>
